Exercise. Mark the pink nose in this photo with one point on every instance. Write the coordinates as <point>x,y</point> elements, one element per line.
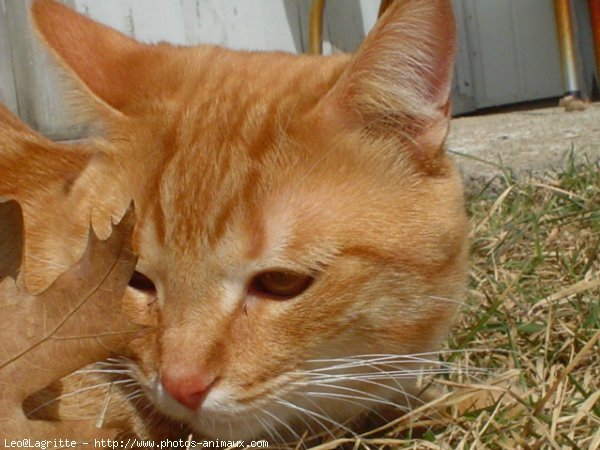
<point>187,388</point>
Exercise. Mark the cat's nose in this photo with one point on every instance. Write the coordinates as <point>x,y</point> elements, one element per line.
<point>186,387</point>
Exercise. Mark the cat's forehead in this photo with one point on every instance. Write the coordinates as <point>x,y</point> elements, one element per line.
<point>245,162</point>
<point>246,203</point>
<point>212,79</point>
<point>295,205</point>
<point>228,136</point>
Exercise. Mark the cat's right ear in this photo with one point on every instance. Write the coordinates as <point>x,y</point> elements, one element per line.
<point>103,62</point>
<point>398,83</point>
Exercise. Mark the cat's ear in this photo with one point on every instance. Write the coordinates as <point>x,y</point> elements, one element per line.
<point>399,81</point>
<point>102,60</point>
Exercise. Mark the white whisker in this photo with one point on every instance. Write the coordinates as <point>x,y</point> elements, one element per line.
<point>277,419</point>
<point>272,430</point>
<point>351,398</point>
<point>317,415</point>
<point>373,397</point>
<point>302,410</point>
<point>111,371</point>
<point>79,391</point>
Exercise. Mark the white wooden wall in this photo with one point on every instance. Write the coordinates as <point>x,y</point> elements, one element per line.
<point>507,48</point>
<point>28,80</point>
<point>8,94</point>
<point>514,48</point>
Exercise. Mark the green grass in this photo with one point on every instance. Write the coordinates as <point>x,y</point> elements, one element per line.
<point>532,320</point>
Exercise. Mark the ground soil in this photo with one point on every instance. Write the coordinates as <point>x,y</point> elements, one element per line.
<point>524,141</point>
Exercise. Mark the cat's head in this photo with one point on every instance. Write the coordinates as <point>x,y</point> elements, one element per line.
<point>296,214</point>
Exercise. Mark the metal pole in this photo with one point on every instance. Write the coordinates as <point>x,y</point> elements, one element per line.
<point>316,27</point>
<point>566,40</point>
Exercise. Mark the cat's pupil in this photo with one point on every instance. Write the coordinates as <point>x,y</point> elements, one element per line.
<point>280,284</point>
<point>141,282</point>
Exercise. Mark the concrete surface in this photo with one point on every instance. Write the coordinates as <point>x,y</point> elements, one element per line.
<point>525,141</point>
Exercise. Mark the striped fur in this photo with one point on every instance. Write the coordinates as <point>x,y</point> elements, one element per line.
<point>241,162</point>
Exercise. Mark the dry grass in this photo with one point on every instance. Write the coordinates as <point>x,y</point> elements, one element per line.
<point>532,320</point>
<point>535,305</point>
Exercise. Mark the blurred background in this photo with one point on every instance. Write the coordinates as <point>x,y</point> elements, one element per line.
<point>509,50</point>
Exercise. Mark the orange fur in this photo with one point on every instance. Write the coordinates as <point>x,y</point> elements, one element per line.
<point>242,162</point>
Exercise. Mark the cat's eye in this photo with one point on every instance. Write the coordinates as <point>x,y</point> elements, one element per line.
<point>141,282</point>
<point>280,284</point>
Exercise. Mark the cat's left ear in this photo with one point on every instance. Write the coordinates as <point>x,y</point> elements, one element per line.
<point>399,81</point>
<point>107,65</point>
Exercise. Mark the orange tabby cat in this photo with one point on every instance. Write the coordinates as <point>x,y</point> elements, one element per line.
<point>301,232</point>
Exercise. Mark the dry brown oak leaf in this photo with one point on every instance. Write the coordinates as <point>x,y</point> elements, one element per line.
<point>75,322</point>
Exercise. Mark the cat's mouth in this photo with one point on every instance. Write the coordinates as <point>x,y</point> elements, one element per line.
<point>285,404</point>
<point>221,413</point>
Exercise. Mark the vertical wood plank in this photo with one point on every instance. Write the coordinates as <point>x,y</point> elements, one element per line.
<point>538,60</point>
<point>297,15</point>
<point>498,58</point>
<point>8,93</point>
<point>513,51</point>
<point>240,24</point>
<point>463,94</point>
<point>148,21</point>
<point>344,26</point>
<point>39,94</point>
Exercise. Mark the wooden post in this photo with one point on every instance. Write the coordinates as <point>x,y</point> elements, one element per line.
<point>316,27</point>
<point>383,6</point>
<point>595,19</point>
